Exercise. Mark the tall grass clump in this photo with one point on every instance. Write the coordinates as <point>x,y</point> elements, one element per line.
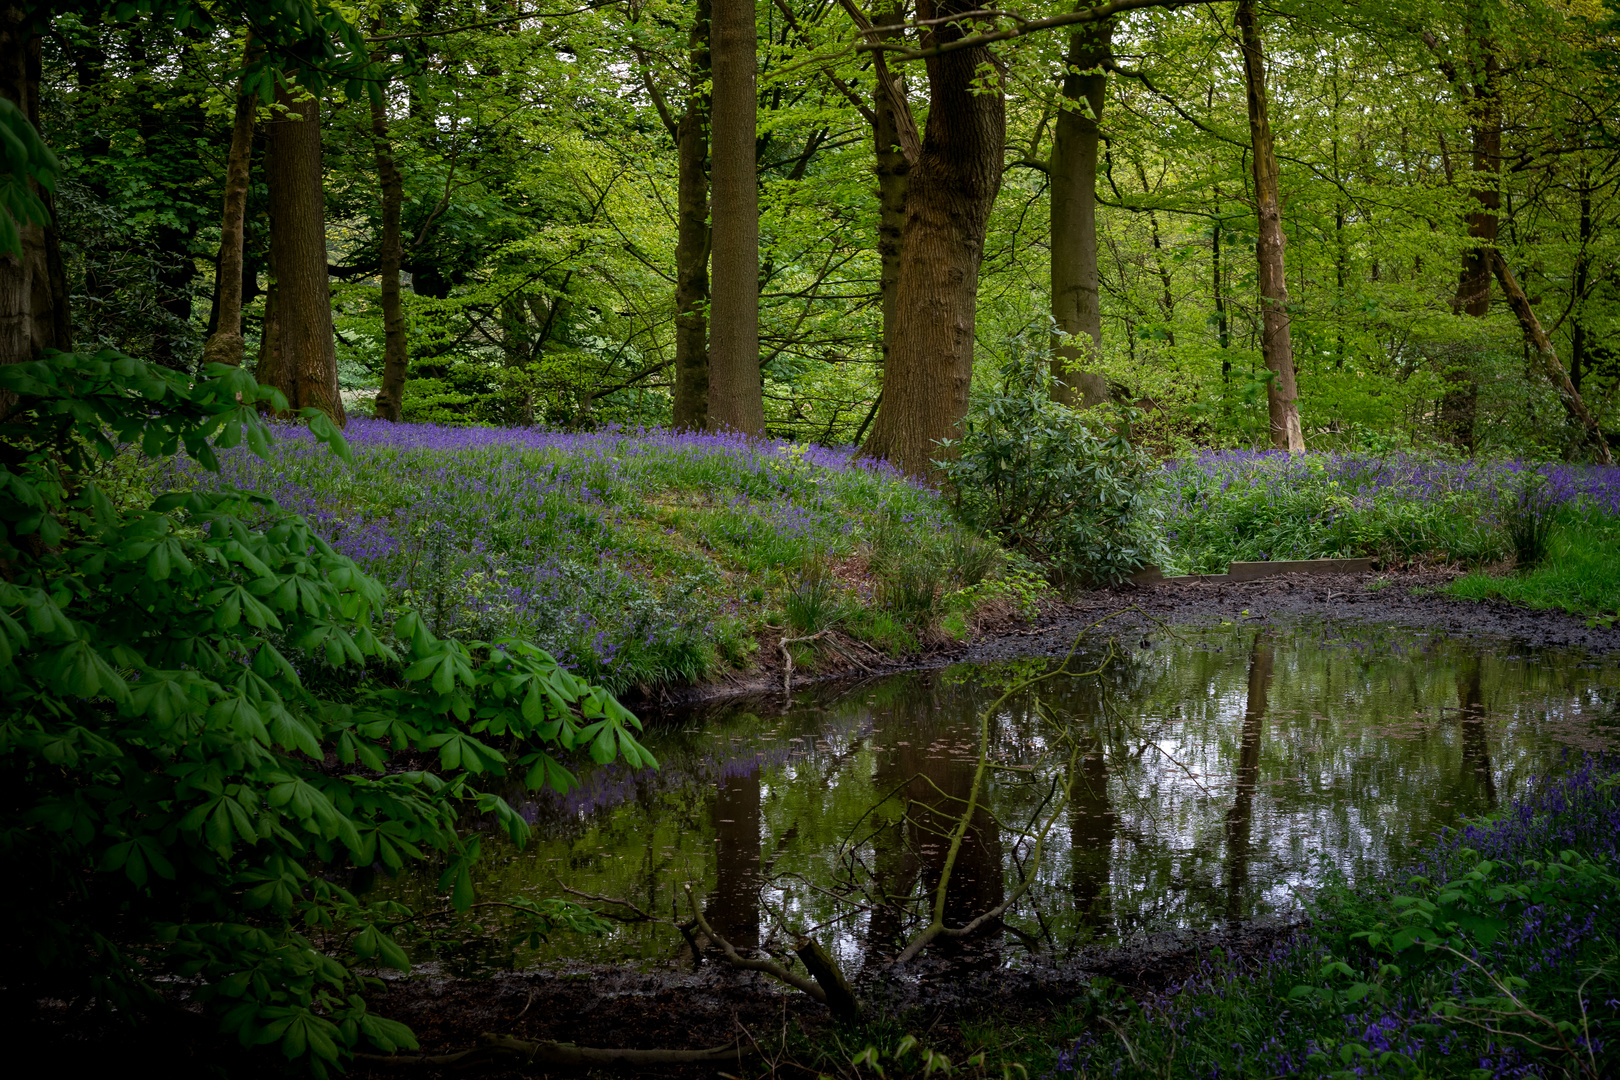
<point>1400,508</point>
<point>1498,955</point>
<point>635,557</point>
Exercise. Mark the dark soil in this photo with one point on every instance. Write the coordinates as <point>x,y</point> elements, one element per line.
<point>679,1008</point>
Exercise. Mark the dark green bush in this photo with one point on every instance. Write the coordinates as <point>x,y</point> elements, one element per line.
<point>1063,485</point>
<point>203,730</point>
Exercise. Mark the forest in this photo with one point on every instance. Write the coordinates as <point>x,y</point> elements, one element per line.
<point>516,212</point>
<point>804,537</point>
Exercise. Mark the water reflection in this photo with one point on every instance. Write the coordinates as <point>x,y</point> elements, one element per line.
<point>1248,775</point>
<point>1204,772</point>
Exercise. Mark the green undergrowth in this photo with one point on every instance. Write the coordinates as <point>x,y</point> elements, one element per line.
<point>1580,573</point>
<point>641,559</point>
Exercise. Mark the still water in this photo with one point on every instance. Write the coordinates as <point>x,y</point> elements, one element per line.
<point>1199,777</point>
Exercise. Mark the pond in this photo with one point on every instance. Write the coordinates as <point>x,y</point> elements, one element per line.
<point>1182,779</point>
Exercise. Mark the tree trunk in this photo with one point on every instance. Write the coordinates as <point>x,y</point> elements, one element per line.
<point>691,404</point>
<point>224,344</point>
<point>949,194</point>
<point>1583,269</point>
<point>892,170</point>
<point>396,343</point>
<point>1276,341</point>
<point>33,287</point>
<point>735,399</point>
<point>1459,403</point>
<point>1223,331</point>
<point>1076,300</point>
<point>299,358</point>
<point>1547,356</point>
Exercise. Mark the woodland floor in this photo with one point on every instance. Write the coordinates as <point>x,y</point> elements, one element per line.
<point>679,1008</point>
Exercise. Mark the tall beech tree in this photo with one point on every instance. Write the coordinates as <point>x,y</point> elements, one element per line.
<point>735,399</point>
<point>33,286</point>
<point>949,194</point>
<point>1076,299</point>
<point>1276,341</point>
<point>391,184</point>
<point>690,409</point>
<point>298,354</point>
<point>225,344</point>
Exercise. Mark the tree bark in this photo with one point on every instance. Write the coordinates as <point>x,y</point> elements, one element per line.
<point>225,344</point>
<point>1276,341</point>
<point>892,167</point>
<point>33,287</point>
<point>1542,346</point>
<point>299,357</point>
<point>735,399</point>
<point>690,408</point>
<point>1460,402</point>
<point>949,194</point>
<point>396,342</point>
<point>1583,267</point>
<point>1223,333</point>
<point>1076,300</point>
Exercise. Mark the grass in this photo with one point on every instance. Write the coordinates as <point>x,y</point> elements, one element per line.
<point>637,558</point>
<point>1401,509</point>
<point>1580,572</point>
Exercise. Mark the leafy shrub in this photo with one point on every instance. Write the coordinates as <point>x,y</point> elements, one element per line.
<point>1062,485</point>
<point>203,729</point>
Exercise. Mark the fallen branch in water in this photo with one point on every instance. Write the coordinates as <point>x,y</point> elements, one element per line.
<point>827,984</point>
<point>507,1050</point>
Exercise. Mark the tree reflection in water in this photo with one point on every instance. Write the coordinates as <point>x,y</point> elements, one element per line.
<point>1240,817</point>
<point>1201,773</point>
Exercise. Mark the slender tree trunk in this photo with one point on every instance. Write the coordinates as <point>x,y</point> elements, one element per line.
<point>1583,270</point>
<point>949,194</point>
<point>396,342</point>
<point>1542,346</point>
<point>735,400</point>
<point>1460,402</point>
<point>1276,341</point>
<point>691,404</point>
<point>1076,297</point>
<point>892,170</point>
<point>33,287</point>
<point>225,344</point>
<point>299,358</point>
<point>1223,329</point>
<point>1167,297</point>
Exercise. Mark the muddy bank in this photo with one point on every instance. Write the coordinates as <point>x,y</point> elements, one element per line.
<point>1405,599</point>
<point>682,1008</point>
